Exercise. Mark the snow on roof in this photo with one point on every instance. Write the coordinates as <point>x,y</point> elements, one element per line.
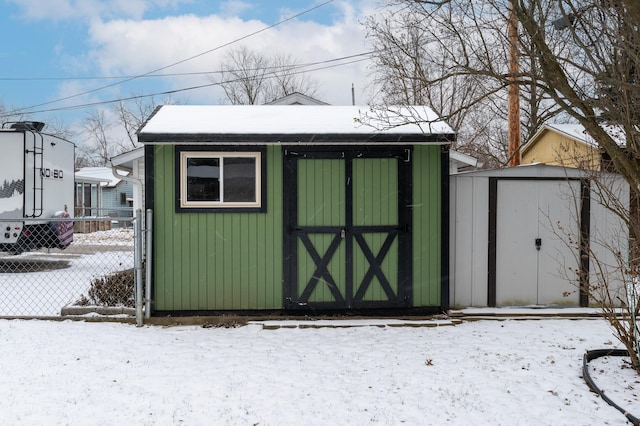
<point>579,133</point>
<point>293,119</point>
<point>104,174</point>
<point>575,131</point>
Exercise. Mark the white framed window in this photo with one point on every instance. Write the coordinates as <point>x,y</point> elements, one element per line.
<point>220,179</point>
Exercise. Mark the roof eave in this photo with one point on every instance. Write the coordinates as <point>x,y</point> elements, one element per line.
<point>299,139</point>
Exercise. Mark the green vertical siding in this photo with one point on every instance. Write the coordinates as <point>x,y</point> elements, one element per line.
<point>427,211</point>
<point>375,191</point>
<point>321,193</point>
<point>216,261</point>
<point>321,202</point>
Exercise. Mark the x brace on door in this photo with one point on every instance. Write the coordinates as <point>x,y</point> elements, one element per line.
<point>321,271</point>
<point>375,266</point>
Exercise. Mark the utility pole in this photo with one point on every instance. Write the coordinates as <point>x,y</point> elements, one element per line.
<point>514,90</point>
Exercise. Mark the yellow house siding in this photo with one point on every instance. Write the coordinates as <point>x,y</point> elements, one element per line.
<point>559,150</point>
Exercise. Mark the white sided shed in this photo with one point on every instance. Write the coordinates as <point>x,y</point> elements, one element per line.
<point>529,236</point>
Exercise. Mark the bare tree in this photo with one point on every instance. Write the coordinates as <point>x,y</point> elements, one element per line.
<point>595,81</point>
<point>59,128</point>
<point>249,77</point>
<point>243,75</point>
<point>8,116</point>
<point>98,149</point>
<point>131,116</point>
<point>287,77</point>
<point>109,132</point>
<point>586,57</point>
<point>421,60</point>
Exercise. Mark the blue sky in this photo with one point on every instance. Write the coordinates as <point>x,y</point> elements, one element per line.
<point>55,49</point>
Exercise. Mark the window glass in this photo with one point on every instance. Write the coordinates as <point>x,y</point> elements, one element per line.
<point>203,179</point>
<point>240,179</point>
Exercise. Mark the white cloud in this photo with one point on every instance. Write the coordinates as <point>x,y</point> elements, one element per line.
<point>125,47</point>
<point>120,41</point>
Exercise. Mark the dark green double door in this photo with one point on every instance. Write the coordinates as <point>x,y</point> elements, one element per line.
<point>347,223</point>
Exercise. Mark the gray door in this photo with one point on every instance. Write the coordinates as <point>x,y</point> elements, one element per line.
<point>537,235</point>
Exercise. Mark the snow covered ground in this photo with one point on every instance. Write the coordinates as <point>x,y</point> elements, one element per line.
<point>114,236</point>
<point>514,372</point>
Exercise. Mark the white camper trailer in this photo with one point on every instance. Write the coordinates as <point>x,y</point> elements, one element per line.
<point>36,185</point>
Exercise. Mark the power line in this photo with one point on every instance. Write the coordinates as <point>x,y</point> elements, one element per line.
<point>22,110</point>
<point>184,89</point>
<point>181,74</point>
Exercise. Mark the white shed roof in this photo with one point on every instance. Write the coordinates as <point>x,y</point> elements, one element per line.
<point>294,119</point>
<point>536,170</point>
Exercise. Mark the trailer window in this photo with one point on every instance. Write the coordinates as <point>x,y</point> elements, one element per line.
<point>224,180</point>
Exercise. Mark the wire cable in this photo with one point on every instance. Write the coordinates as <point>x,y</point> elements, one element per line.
<point>23,110</point>
<point>171,92</point>
<point>182,74</point>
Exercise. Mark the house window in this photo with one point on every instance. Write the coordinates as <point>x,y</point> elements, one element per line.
<point>123,198</point>
<point>220,180</point>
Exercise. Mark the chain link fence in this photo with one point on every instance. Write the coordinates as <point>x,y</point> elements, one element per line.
<point>43,273</point>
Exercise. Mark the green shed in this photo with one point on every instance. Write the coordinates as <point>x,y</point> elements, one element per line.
<point>288,208</point>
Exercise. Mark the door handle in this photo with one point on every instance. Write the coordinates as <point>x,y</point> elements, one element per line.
<point>538,243</point>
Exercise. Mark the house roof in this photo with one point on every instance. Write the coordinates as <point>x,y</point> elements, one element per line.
<point>126,159</point>
<point>102,174</point>
<point>311,124</point>
<point>86,179</point>
<point>464,159</point>
<point>576,132</point>
<point>297,98</point>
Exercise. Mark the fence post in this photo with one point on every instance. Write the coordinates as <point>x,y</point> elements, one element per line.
<point>137,244</point>
<point>148,263</point>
